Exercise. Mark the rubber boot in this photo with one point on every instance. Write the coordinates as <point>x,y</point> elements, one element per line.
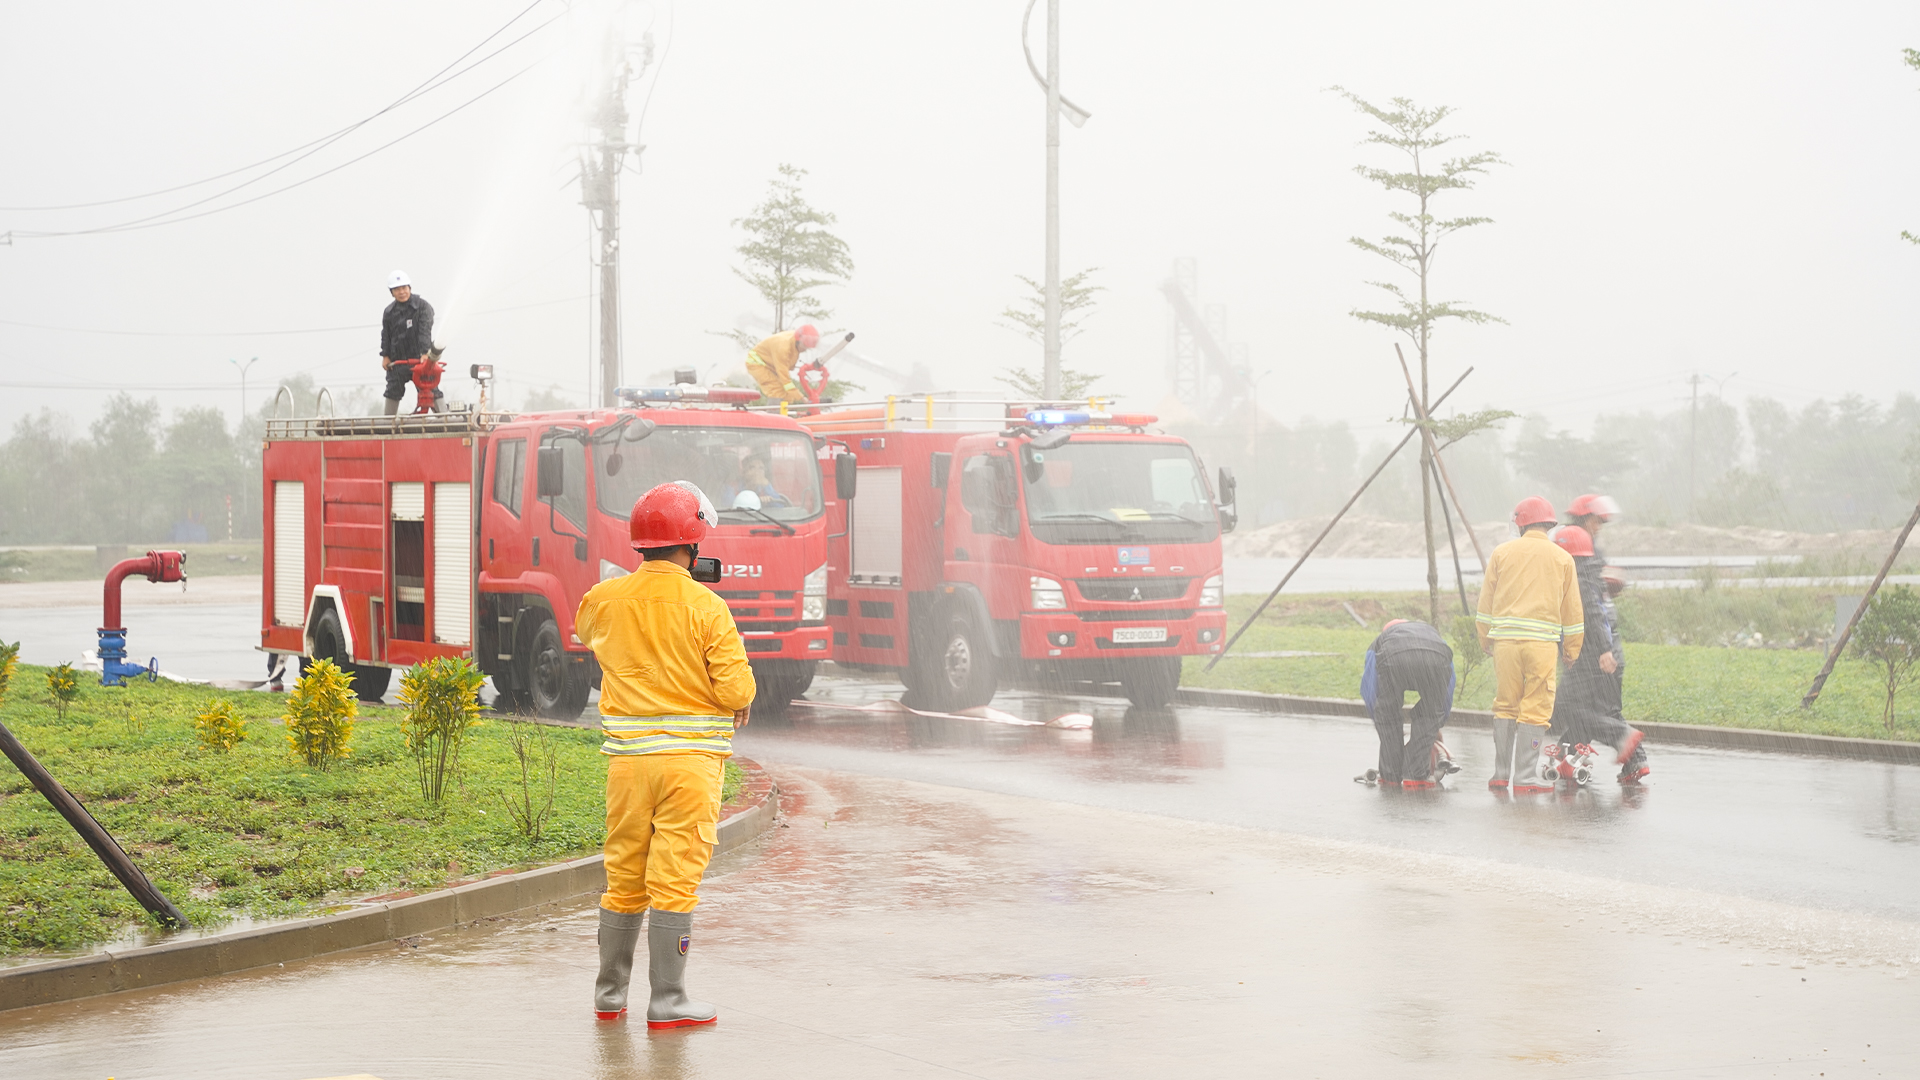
<point>1531,766</point>
<point>392,407</point>
<point>1502,752</point>
<point>619,936</point>
<point>669,933</point>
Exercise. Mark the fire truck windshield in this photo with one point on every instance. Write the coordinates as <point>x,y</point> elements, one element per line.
<point>1101,492</point>
<point>751,474</point>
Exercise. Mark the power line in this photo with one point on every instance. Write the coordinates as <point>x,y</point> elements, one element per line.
<point>265,333</point>
<point>151,223</point>
<point>323,141</point>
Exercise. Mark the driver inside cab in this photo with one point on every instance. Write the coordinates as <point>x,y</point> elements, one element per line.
<point>755,477</point>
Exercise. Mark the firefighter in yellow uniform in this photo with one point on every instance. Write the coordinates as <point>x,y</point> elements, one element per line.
<point>1530,616</point>
<point>771,362</point>
<point>674,685</point>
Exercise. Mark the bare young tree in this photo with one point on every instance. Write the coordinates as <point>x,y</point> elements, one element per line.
<point>789,252</point>
<point>1028,317</point>
<point>1412,132</point>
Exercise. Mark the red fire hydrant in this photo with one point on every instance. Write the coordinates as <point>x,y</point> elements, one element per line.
<point>157,566</point>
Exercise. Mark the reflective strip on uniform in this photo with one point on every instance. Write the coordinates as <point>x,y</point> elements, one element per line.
<point>667,734</point>
<point>1515,628</point>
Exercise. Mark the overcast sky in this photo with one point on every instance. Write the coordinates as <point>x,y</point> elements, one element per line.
<point>1712,187</point>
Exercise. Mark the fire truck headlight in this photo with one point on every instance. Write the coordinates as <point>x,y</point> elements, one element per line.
<point>609,571</point>
<point>813,596</point>
<point>1046,593</point>
<point>1212,591</point>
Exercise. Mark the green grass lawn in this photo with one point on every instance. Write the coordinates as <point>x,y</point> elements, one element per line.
<point>1687,684</point>
<point>254,831</point>
<point>61,564</point>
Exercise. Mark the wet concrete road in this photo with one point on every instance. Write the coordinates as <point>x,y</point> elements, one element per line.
<point>1823,833</point>
<point>1162,894</point>
<point>897,929</point>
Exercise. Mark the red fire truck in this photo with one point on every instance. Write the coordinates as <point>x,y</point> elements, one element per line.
<point>391,540</point>
<point>990,540</point>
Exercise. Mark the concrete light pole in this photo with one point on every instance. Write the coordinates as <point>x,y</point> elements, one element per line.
<point>1056,102</point>
<point>243,385</point>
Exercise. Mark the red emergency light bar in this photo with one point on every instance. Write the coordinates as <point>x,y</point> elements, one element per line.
<point>719,395</point>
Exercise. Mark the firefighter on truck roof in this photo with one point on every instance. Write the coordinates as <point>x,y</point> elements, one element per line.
<point>406,336</point>
<point>675,684</point>
<point>771,362</point>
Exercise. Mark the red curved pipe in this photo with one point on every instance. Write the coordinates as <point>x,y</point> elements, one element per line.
<point>158,566</point>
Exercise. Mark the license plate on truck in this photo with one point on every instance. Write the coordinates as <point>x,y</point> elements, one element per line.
<point>1136,635</point>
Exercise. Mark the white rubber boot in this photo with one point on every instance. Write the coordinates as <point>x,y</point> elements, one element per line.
<point>669,933</point>
<point>619,936</point>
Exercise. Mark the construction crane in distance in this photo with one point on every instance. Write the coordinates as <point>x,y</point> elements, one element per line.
<point>1209,376</point>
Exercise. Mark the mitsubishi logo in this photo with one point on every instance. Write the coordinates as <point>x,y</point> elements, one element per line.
<point>1136,593</point>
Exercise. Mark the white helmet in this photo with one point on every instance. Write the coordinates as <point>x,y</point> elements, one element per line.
<point>397,279</point>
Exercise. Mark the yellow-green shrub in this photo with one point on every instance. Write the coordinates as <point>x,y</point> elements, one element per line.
<point>320,714</point>
<point>442,700</point>
<point>64,684</point>
<point>217,725</point>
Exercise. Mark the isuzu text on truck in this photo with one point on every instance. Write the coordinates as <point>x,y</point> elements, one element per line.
<point>390,540</point>
<point>989,541</point>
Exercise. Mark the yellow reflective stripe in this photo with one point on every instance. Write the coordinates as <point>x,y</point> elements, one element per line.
<point>661,744</point>
<point>679,726</point>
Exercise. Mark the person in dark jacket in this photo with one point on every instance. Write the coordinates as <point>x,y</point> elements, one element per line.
<point>1408,656</point>
<point>1588,708</point>
<point>406,336</point>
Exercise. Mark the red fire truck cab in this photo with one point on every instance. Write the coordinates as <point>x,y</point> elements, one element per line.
<point>391,540</point>
<point>990,541</point>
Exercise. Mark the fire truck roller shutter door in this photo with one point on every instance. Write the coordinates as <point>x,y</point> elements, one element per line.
<point>289,552</point>
<point>453,563</point>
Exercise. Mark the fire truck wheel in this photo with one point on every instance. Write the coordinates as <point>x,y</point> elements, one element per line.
<point>370,681</point>
<point>1151,681</point>
<point>556,687</point>
<point>778,682</point>
<point>963,675</point>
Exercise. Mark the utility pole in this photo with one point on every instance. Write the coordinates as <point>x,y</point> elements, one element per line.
<point>1693,442</point>
<point>601,163</point>
<point>1050,363</point>
<point>1056,103</point>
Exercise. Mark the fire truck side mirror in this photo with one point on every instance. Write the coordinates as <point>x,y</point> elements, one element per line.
<point>941,465</point>
<point>1229,493</point>
<point>550,479</point>
<point>846,476</point>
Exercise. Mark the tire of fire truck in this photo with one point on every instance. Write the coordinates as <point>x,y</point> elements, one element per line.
<point>556,686</point>
<point>1151,681</point>
<point>960,672</point>
<point>778,682</point>
<point>370,681</point>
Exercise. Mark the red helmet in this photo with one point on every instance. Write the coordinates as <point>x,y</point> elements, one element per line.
<point>670,515</point>
<point>806,336</point>
<point>1576,540</point>
<point>1534,510</point>
<point>1391,623</point>
<point>1601,505</point>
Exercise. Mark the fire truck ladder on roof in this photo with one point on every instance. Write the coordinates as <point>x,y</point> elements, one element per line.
<point>383,427</point>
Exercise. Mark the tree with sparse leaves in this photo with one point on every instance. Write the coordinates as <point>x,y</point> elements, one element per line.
<point>789,252</point>
<point>1888,636</point>
<point>1423,175</point>
<point>1913,61</point>
<point>1029,318</point>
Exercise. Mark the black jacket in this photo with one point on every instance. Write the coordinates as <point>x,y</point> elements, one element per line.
<point>406,329</point>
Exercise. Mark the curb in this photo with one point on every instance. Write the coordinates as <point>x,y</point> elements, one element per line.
<point>1726,738</point>
<point>115,970</point>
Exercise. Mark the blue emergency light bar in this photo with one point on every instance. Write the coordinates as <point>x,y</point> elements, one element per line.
<point>1065,418</point>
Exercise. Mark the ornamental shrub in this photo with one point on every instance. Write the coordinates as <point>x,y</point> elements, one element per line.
<point>320,714</point>
<point>9,656</point>
<point>64,684</point>
<point>442,697</point>
<point>218,727</point>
